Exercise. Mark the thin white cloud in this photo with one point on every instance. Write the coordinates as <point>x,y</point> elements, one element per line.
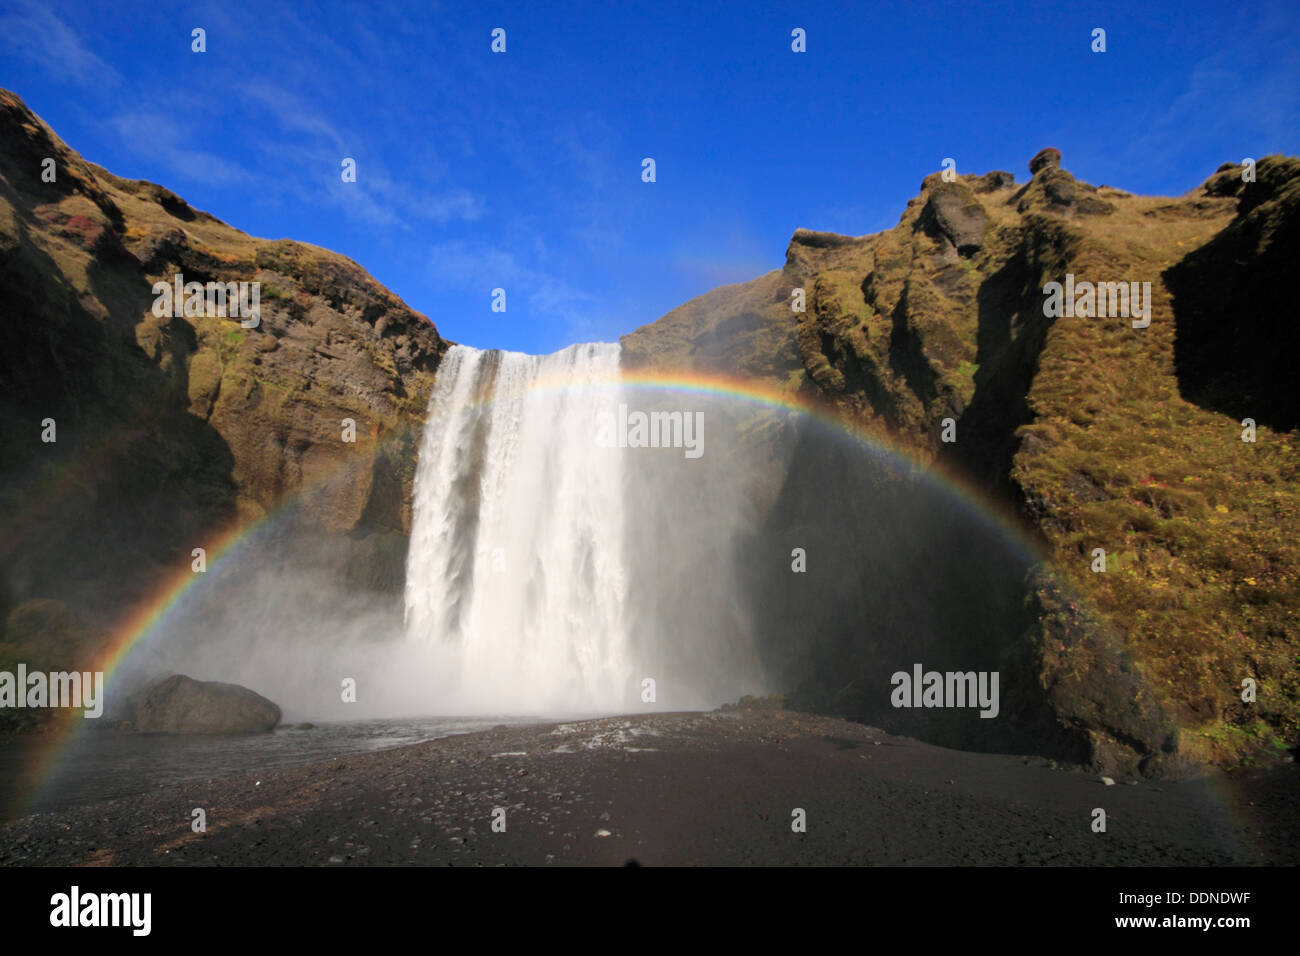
<point>476,265</point>
<point>34,33</point>
<point>455,204</point>
<point>165,141</point>
<point>376,197</point>
<point>1236,94</point>
<point>293,114</point>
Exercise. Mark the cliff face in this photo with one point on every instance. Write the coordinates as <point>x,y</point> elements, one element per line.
<point>1099,434</point>
<point>169,429</point>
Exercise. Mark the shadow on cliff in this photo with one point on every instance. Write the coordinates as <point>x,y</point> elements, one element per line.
<point>900,572</point>
<point>1011,334</point>
<point>1237,340</point>
<point>132,480</point>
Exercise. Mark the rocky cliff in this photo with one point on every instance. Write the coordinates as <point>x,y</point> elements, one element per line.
<point>169,430</point>
<point>1099,434</point>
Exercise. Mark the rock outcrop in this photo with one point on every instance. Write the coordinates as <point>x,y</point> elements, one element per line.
<point>1045,159</point>
<point>1056,190</point>
<point>957,216</point>
<point>182,705</point>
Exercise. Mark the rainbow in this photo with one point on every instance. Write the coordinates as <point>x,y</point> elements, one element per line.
<point>149,618</point>
<point>800,402</point>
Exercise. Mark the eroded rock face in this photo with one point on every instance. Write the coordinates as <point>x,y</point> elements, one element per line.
<point>958,216</point>
<point>182,705</point>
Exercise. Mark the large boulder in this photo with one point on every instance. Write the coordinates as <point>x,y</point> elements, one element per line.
<point>182,705</point>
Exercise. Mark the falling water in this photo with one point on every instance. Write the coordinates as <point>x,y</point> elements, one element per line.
<point>517,559</point>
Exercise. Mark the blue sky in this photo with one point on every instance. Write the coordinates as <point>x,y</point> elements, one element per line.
<point>523,170</point>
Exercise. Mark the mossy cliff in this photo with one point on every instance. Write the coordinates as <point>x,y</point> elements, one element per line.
<point>169,430</point>
<point>1094,433</point>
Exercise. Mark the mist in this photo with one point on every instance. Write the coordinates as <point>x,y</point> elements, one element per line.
<point>564,561</point>
<point>549,571</point>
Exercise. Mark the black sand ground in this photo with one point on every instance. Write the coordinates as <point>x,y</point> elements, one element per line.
<point>714,788</point>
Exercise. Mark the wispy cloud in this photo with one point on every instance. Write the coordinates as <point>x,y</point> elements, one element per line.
<point>34,33</point>
<point>292,113</point>
<point>479,266</point>
<point>161,137</point>
<point>377,197</point>
<point>1238,94</point>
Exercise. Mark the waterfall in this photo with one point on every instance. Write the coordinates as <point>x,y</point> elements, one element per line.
<point>516,569</point>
